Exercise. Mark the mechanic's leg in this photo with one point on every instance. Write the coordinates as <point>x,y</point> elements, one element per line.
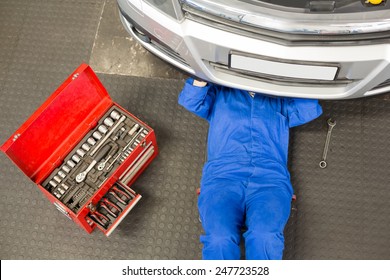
<point>221,207</point>
<point>268,210</point>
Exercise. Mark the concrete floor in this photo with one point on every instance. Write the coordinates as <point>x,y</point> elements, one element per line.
<point>116,52</point>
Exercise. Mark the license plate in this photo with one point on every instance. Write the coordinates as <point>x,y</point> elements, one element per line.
<point>282,69</point>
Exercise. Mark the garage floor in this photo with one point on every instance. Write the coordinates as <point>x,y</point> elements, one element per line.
<point>342,212</point>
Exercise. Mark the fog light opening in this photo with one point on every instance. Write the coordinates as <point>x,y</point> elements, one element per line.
<point>145,38</point>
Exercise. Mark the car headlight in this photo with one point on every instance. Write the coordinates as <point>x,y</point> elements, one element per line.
<point>169,7</point>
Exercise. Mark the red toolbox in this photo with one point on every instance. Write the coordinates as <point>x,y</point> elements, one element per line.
<point>84,152</point>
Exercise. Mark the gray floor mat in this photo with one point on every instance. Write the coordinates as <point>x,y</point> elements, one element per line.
<point>39,42</point>
<point>342,211</point>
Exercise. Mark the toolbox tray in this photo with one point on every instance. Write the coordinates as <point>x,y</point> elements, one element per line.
<point>43,145</point>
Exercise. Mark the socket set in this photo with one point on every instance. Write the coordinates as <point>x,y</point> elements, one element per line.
<point>90,153</point>
<point>93,160</point>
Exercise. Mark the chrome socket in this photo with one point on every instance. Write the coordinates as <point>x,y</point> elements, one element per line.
<point>133,129</point>
<point>115,115</point>
<point>91,141</point>
<point>61,174</point>
<point>58,179</point>
<point>71,163</point>
<point>86,147</point>
<point>102,129</point>
<point>80,152</point>
<point>97,135</point>
<point>66,187</point>
<point>108,121</point>
<point>66,168</point>
<point>76,158</point>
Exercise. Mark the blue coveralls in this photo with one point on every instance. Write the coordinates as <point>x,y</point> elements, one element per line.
<point>245,180</point>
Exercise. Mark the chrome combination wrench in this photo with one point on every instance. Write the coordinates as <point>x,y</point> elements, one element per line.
<point>103,163</point>
<point>331,124</point>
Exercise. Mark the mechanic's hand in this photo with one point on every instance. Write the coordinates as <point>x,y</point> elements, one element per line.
<point>198,83</point>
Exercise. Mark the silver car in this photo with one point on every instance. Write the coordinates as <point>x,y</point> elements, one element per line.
<point>297,48</point>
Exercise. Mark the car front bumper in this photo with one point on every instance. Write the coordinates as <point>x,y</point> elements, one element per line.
<point>250,63</point>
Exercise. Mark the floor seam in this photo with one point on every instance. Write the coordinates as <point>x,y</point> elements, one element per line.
<point>97,32</point>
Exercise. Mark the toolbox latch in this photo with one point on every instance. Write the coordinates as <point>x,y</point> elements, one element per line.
<point>16,136</point>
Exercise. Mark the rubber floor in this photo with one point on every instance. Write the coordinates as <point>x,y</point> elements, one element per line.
<point>341,212</point>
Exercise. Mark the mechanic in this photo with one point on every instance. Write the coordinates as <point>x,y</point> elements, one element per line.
<point>245,181</point>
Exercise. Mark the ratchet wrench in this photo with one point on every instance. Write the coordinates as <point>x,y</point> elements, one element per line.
<point>102,153</point>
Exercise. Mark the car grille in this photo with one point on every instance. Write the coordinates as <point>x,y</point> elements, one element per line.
<point>284,38</point>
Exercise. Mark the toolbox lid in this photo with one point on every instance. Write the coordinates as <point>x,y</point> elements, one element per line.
<point>42,142</point>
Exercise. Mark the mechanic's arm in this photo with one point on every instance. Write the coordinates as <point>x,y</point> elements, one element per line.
<point>197,97</point>
<point>300,111</point>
